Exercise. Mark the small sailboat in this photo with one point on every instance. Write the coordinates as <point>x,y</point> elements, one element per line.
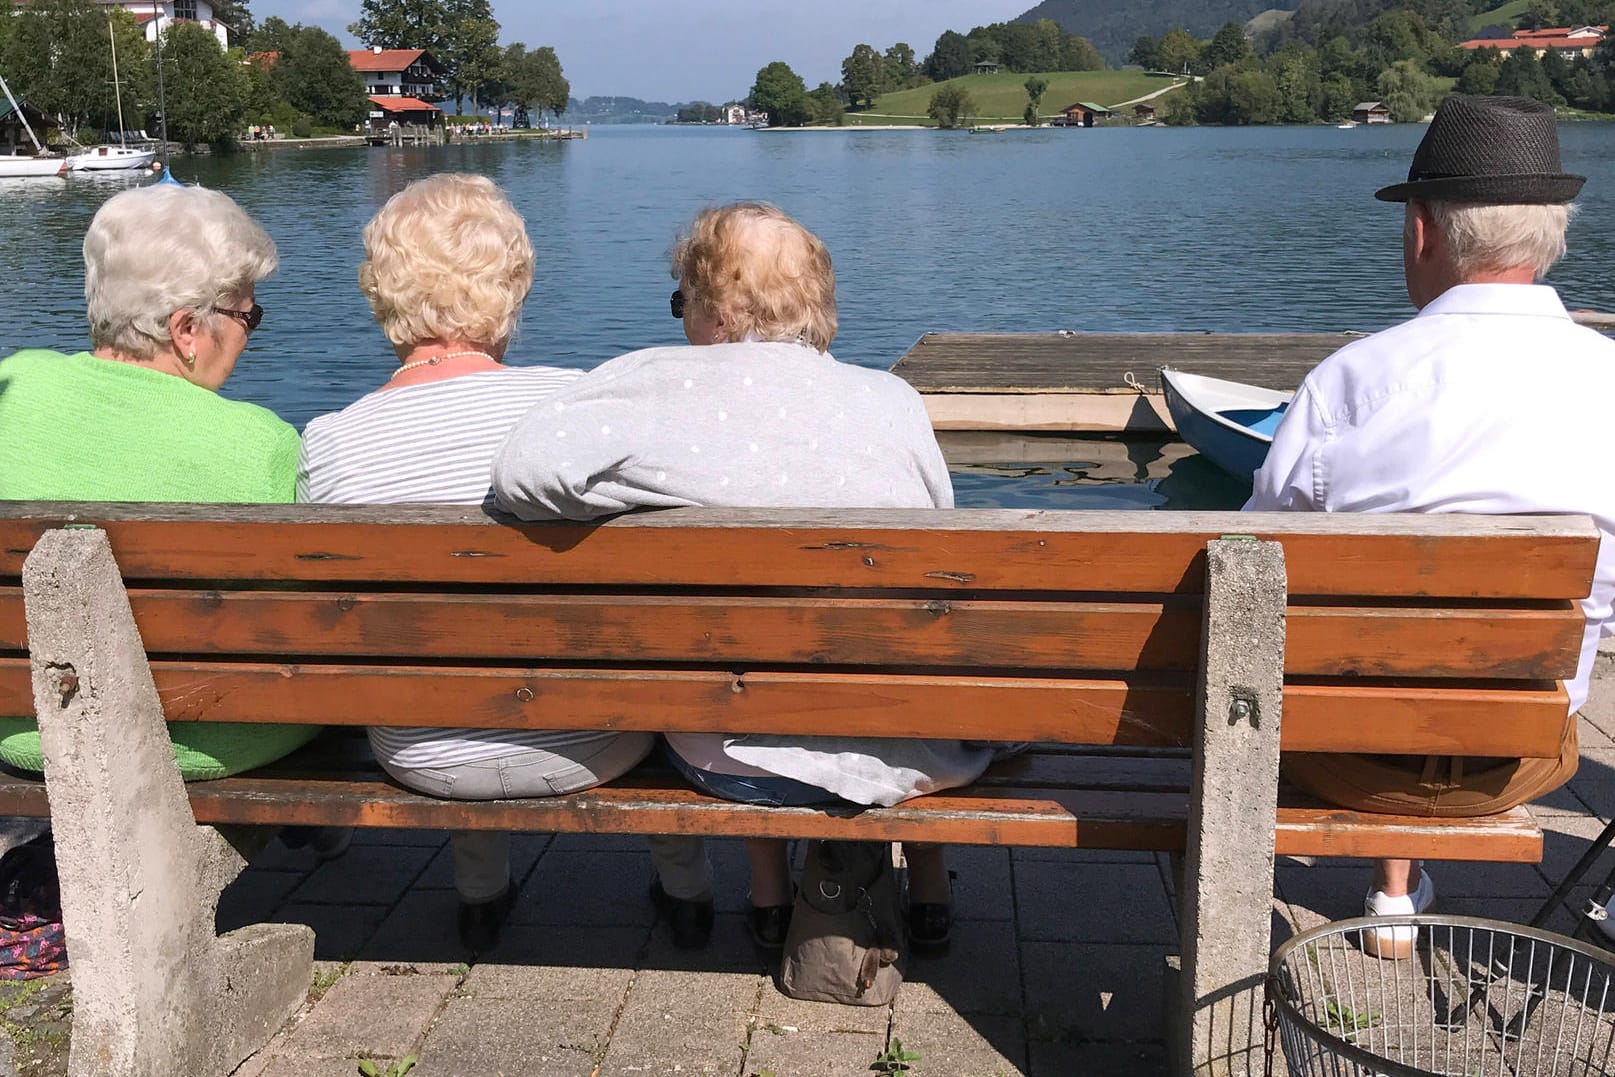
<point>1228,422</point>
<point>14,166</point>
<point>119,157</point>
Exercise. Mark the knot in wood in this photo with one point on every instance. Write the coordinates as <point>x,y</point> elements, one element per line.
<point>870,561</point>
<point>938,608</point>
<point>346,603</point>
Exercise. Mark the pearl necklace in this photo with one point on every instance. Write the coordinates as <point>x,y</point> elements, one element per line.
<point>436,359</point>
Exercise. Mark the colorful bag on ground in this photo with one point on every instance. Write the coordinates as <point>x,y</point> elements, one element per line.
<point>32,942</point>
<point>846,927</point>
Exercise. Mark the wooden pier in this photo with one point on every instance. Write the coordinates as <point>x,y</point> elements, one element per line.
<point>1100,382</point>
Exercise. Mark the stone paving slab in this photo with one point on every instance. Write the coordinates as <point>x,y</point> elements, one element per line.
<point>371,1012</point>
<point>793,1038</point>
<point>1120,902</point>
<point>513,1038</point>
<point>687,1023</point>
<point>949,1043</point>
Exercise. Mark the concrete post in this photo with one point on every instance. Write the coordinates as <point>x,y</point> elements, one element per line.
<point>156,993</point>
<point>1227,889</point>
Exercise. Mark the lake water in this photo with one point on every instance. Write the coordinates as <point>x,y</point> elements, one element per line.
<point>1235,230</point>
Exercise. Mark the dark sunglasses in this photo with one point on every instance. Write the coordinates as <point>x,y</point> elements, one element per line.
<point>676,302</point>
<point>249,319</point>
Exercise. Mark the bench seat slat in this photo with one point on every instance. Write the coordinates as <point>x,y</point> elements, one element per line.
<point>1086,819</point>
<point>1531,643</point>
<point>1452,718</point>
<point>1371,554</point>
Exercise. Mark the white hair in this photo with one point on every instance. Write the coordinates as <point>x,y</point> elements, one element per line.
<point>1488,237</point>
<point>155,250</point>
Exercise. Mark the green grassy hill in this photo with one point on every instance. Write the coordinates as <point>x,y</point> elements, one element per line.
<point>1001,98</point>
<point>1500,16</point>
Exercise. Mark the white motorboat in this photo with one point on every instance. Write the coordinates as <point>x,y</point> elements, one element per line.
<point>121,156</point>
<point>20,166</point>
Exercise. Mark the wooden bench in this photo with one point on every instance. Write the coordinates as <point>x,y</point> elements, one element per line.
<point>1146,654</point>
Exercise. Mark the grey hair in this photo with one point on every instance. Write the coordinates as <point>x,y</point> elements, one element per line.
<point>155,250</point>
<point>1497,237</point>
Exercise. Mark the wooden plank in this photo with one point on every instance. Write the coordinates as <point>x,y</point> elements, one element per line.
<point>1518,644</point>
<point>1085,819</point>
<point>976,549</point>
<point>1050,411</point>
<point>1100,362</point>
<point>1354,716</point>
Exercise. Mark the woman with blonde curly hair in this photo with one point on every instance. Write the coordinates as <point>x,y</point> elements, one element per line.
<point>755,413</point>
<point>447,268</point>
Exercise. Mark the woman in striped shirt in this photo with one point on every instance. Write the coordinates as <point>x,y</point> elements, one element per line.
<point>448,267</point>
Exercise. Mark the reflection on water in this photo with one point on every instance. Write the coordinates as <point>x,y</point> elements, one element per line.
<point>1038,471</point>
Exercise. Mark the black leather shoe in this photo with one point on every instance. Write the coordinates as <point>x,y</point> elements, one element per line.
<point>769,924</point>
<point>480,921</point>
<point>691,921</point>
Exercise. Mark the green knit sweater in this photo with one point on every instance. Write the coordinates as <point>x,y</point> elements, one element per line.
<point>78,428</point>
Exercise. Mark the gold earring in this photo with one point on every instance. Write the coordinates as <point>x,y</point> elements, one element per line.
<point>190,363</point>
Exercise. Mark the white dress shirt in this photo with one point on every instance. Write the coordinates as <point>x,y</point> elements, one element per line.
<point>1491,401</point>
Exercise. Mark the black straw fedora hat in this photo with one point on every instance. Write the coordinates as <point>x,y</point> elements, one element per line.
<point>1496,150</point>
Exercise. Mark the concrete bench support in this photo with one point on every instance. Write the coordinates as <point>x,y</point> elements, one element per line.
<point>155,991</point>
<point>1227,886</point>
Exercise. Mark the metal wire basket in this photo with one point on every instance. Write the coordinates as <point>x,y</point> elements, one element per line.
<point>1478,998</point>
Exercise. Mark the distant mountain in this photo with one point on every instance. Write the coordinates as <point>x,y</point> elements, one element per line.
<point>617,110</point>
<point>1113,25</point>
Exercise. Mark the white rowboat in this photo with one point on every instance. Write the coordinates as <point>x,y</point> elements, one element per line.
<point>1228,422</point>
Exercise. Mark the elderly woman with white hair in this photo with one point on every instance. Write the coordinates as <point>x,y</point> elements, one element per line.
<point>755,413</point>
<point>447,268</point>
<point>169,279</point>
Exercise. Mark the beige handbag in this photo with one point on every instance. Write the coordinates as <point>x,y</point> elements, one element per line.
<point>846,928</point>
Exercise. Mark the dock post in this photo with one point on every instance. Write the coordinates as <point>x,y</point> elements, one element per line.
<point>155,990</point>
<point>1226,894</point>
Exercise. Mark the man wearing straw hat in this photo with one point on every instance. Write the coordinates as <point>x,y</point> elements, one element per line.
<point>1491,400</point>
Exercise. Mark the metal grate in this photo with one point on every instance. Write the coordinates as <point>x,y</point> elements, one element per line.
<point>1479,998</point>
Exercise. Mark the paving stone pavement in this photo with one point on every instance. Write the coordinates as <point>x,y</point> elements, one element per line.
<point>1056,967</point>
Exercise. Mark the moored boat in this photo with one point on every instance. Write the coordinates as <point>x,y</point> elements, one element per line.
<point>111,158</point>
<point>1228,422</point>
<point>20,166</point>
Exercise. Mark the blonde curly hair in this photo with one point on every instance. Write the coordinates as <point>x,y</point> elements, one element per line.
<point>759,273</point>
<point>447,258</point>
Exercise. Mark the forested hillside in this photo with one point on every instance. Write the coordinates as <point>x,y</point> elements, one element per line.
<point>1113,25</point>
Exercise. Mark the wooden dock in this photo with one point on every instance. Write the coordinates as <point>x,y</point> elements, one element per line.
<point>1100,382</point>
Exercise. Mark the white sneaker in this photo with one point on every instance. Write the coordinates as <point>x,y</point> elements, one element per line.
<point>1396,943</point>
<point>1607,924</point>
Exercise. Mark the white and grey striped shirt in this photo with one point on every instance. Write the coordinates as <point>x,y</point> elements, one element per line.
<point>434,444</point>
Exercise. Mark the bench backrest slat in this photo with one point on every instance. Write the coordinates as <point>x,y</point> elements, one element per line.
<point>956,551</point>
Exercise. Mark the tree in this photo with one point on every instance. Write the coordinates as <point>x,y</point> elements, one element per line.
<point>238,17</point>
<point>534,80</point>
<point>950,104</point>
<point>861,75</point>
<point>950,58</point>
<point>1408,91</point>
<point>206,89</point>
<point>1146,53</point>
<point>1035,88</point>
<point>781,93</point>
<point>468,48</point>
<point>402,24</point>
<point>899,67</point>
<point>1229,47</point>
<point>58,55</point>
<point>314,76</point>
<point>826,105</point>
<point>1078,54</point>
<point>1339,96</point>
<point>1522,76</point>
<point>1480,77</point>
<point>1177,51</point>
<point>270,36</point>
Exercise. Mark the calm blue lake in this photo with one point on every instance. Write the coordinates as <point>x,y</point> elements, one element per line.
<point>1108,229</point>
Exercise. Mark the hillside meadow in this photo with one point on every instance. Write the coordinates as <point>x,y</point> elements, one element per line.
<point>1001,98</point>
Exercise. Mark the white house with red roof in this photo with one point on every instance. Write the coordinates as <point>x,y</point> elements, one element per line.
<point>1567,41</point>
<point>399,82</point>
<point>397,72</point>
<point>155,16</point>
